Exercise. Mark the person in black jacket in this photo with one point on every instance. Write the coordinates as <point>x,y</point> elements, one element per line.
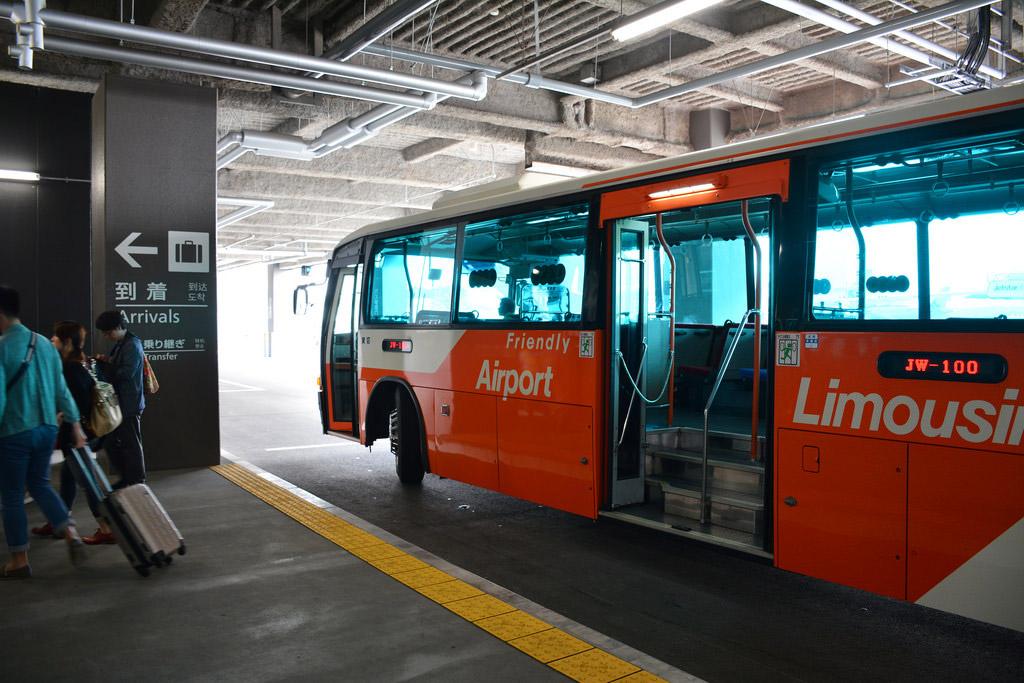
<point>123,368</point>
<point>69,340</point>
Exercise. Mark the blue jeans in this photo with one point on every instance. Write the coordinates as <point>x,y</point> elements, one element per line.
<point>25,463</point>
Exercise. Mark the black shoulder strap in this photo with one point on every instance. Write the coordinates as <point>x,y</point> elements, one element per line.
<point>24,364</point>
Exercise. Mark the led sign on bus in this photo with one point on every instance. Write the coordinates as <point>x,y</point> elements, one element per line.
<point>397,345</point>
<point>987,368</point>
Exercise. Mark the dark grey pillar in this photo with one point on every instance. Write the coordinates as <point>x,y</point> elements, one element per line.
<point>709,127</point>
<point>154,234</point>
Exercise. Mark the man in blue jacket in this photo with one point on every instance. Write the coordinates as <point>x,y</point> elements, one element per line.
<point>33,392</point>
<point>123,368</point>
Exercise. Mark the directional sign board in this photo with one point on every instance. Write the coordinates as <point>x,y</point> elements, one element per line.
<point>165,301</point>
<point>154,215</point>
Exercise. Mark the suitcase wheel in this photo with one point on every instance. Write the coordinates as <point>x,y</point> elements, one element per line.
<point>181,550</point>
<point>142,570</point>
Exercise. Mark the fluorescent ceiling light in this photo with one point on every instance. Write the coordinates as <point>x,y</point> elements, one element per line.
<point>685,189</point>
<point>28,176</point>
<point>558,169</point>
<point>658,17</point>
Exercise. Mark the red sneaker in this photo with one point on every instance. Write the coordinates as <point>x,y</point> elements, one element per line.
<point>99,538</point>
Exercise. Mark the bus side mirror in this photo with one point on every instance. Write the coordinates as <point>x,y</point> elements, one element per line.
<point>300,300</point>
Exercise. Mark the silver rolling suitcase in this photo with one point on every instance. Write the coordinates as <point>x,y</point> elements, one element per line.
<point>148,524</point>
<point>142,527</point>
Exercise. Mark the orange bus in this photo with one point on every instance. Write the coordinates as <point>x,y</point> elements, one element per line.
<point>807,346</point>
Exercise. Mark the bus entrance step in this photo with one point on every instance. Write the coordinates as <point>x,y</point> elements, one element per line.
<point>716,458</point>
<point>727,472</point>
<point>692,440</point>
<point>729,509</point>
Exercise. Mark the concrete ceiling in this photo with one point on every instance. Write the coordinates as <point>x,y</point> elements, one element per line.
<point>460,143</point>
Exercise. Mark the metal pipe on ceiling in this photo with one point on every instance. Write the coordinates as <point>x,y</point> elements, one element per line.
<point>958,31</point>
<point>379,26</point>
<point>227,142</point>
<point>838,24</point>
<point>226,159</point>
<point>234,251</point>
<point>343,130</point>
<point>247,207</point>
<point>345,134</point>
<point>475,90</point>
<point>871,19</point>
<point>81,48</point>
<point>822,47</point>
<point>530,80</point>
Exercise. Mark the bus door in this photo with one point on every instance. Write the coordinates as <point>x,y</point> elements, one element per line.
<point>340,384</point>
<point>628,356</point>
<point>688,350</point>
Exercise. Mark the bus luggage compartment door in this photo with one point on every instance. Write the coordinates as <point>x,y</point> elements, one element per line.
<point>842,509</point>
<point>561,473</point>
<point>966,533</point>
<point>464,445</point>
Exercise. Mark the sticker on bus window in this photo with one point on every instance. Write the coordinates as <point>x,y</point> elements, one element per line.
<point>586,344</point>
<point>788,350</point>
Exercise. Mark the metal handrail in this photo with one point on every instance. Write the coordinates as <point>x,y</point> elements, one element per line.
<point>756,377</point>
<point>660,228</point>
<point>726,359</point>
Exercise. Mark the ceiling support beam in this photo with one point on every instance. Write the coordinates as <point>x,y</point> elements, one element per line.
<point>428,149</point>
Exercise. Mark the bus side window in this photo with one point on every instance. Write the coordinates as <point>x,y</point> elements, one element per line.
<point>918,234</point>
<point>976,266</point>
<point>891,279</point>
<point>412,278</point>
<point>527,268</point>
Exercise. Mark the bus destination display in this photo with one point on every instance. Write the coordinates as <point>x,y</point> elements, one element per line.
<point>987,368</point>
<point>397,345</point>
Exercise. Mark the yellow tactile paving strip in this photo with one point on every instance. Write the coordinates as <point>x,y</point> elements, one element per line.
<point>564,653</point>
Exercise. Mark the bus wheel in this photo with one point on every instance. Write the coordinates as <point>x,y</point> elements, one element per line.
<point>405,441</point>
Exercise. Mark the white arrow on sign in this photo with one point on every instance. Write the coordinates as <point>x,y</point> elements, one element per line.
<point>125,249</point>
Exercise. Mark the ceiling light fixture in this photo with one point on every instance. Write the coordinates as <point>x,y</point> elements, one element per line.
<point>687,189</point>
<point>27,176</point>
<point>558,169</point>
<point>658,17</point>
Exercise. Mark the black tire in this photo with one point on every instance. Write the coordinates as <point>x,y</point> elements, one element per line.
<point>406,444</point>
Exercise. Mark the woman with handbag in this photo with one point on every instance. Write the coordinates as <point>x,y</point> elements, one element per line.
<point>69,340</point>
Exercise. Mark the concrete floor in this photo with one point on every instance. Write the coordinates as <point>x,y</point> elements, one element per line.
<point>716,614</point>
<point>257,598</point>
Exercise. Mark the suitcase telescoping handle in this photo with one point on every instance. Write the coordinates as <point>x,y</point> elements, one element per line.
<point>90,471</point>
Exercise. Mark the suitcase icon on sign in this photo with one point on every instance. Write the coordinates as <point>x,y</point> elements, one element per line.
<point>188,252</point>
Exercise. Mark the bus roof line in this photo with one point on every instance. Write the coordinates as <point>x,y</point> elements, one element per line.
<point>842,129</point>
